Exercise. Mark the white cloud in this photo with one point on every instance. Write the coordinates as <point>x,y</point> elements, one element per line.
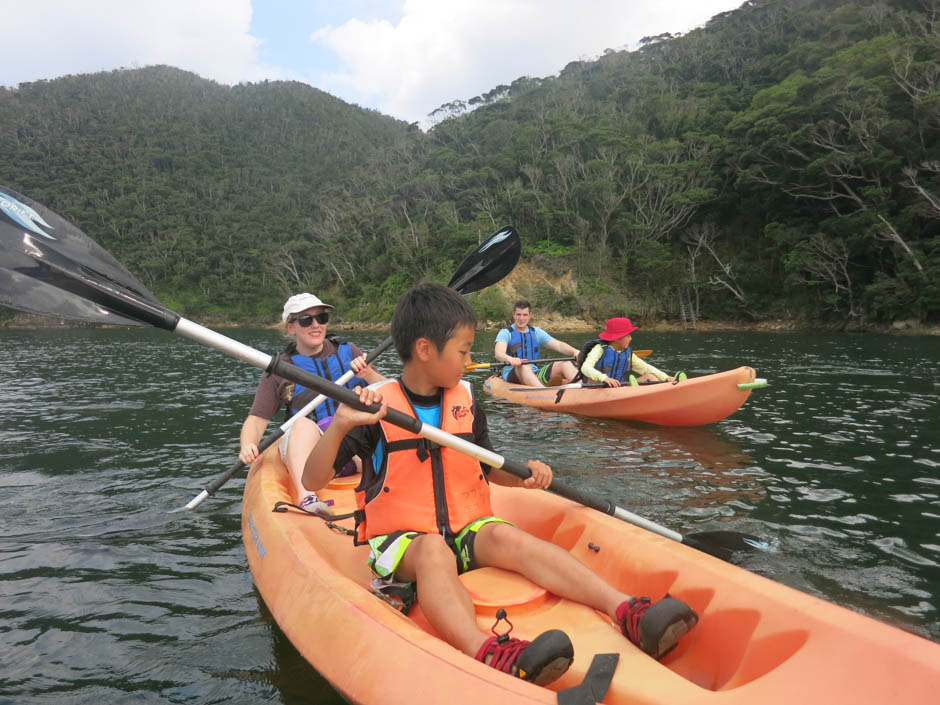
<point>424,53</point>
<point>47,38</point>
<point>443,50</point>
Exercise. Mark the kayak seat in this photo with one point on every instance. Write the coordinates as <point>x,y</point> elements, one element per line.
<point>349,482</point>
<point>495,588</point>
<point>492,589</point>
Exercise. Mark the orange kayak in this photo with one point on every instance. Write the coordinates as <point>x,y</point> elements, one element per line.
<point>756,642</point>
<point>692,402</point>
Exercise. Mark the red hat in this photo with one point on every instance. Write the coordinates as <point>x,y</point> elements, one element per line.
<point>617,328</point>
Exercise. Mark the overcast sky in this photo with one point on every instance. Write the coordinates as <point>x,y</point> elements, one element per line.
<point>402,57</point>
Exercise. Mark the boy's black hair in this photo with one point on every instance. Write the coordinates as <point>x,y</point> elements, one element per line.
<point>521,303</point>
<point>429,311</point>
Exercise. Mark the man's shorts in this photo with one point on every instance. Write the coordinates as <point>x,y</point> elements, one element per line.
<point>386,551</point>
<point>540,372</point>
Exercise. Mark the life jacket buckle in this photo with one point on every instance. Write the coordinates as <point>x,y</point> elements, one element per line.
<point>425,448</point>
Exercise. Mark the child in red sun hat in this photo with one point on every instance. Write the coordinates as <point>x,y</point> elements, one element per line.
<point>609,358</point>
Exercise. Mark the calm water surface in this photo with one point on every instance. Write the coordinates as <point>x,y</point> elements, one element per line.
<point>108,596</point>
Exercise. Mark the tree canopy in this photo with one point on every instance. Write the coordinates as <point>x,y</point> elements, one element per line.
<point>781,161</point>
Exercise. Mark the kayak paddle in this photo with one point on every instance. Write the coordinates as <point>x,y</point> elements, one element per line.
<point>485,266</point>
<point>49,267</point>
<point>490,365</point>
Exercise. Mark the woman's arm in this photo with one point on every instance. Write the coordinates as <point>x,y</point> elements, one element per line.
<point>251,433</point>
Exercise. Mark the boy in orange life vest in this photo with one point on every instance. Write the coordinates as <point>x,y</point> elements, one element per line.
<point>419,532</point>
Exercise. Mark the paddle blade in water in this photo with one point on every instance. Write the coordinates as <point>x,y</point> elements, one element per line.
<point>489,263</point>
<point>725,544</point>
<point>27,282</point>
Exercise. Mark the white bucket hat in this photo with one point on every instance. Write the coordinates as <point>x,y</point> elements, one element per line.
<point>301,302</point>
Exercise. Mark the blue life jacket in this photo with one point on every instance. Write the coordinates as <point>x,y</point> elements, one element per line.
<point>525,346</point>
<point>613,364</point>
<point>332,368</point>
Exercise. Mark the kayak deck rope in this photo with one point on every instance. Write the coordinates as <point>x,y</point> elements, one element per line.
<point>330,519</point>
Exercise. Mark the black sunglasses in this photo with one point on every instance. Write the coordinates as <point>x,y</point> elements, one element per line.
<point>308,318</point>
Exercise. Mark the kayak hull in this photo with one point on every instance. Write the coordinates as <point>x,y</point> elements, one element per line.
<point>757,640</point>
<point>692,402</point>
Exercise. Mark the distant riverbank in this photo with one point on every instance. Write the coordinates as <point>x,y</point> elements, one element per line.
<point>555,322</point>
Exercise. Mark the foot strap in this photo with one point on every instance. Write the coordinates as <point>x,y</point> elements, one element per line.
<point>595,684</point>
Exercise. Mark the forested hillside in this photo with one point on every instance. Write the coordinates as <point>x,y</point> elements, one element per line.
<point>195,187</point>
<point>783,161</point>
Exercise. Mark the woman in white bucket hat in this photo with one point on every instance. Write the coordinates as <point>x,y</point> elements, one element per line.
<point>305,317</point>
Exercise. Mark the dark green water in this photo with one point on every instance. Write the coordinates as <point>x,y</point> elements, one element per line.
<point>106,596</point>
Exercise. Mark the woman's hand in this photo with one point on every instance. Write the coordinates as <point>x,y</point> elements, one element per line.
<point>248,453</point>
<point>611,382</point>
<point>359,365</point>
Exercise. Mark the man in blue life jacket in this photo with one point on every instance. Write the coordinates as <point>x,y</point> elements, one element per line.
<point>305,317</point>
<point>521,343</point>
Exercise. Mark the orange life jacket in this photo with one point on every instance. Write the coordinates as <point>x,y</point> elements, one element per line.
<point>422,486</point>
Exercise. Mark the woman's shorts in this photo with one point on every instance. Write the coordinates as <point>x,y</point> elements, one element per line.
<point>348,469</point>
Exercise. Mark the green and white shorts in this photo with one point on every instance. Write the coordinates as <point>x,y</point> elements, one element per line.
<point>386,551</point>
<point>544,373</point>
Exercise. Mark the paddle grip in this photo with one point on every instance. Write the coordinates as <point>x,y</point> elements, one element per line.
<point>560,488</point>
<point>341,394</point>
<point>588,500</point>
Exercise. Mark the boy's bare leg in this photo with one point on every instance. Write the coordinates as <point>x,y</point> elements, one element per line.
<point>444,600</point>
<point>303,437</point>
<point>545,564</point>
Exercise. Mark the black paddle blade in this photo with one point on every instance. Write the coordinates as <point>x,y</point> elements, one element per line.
<point>726,544</point>
<point>489,263</point>
<point>30,236</point>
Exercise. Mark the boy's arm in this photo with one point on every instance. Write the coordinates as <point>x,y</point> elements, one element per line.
<point>540,478</point>
<point>481,436</point>
<point>318,470</point>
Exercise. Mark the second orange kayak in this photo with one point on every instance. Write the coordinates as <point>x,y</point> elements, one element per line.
<point>692,402</point>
